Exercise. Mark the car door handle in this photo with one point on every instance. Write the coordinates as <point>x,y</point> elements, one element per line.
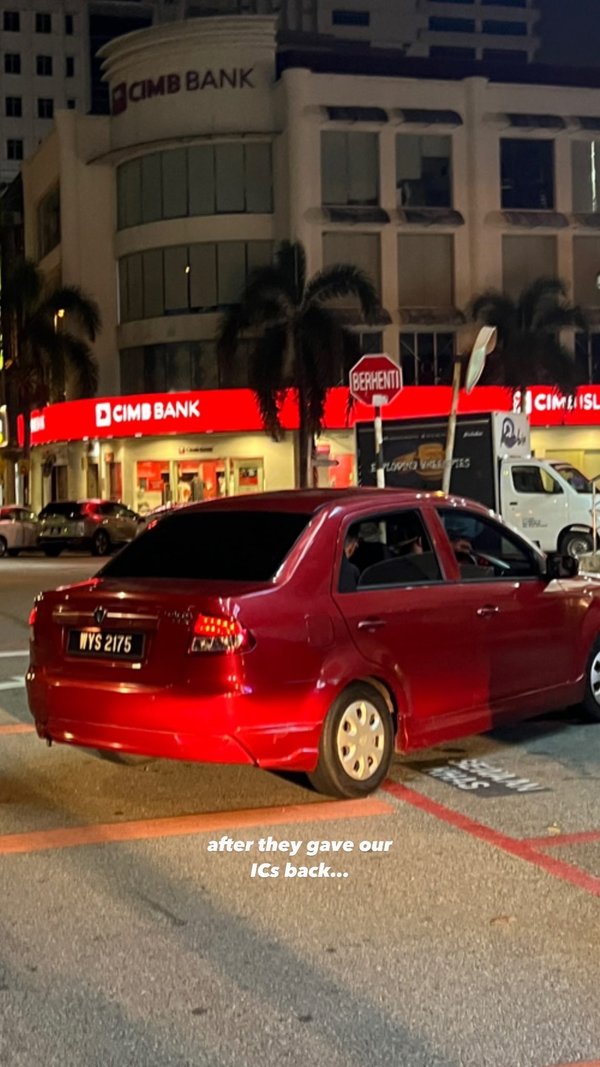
<point>514,503</point>
<point>370,624</point>
<point>489,609</point>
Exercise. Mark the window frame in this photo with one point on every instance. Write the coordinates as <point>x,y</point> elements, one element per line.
<point>376,518</point>
<point>535,555</point>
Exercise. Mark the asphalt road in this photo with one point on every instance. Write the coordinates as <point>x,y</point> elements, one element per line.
<point>133,932</point>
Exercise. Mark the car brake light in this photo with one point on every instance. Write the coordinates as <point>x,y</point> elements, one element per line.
<point>32,618</point>
<point>217,633</point>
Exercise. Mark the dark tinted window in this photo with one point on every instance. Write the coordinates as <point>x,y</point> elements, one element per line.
<point>106,509</point>
<point>486,550</point>
<point>244,546</point>
<point>66,509</point>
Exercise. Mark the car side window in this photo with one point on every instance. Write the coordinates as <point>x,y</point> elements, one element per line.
<point>485,549</point>
<point>107,509</point>
<point>531,479</point>
<point>388,550</point>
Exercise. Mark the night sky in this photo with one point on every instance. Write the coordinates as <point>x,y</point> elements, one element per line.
<point>570,32</point>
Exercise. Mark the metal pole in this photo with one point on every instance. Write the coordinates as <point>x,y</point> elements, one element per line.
<point>451,429</point>
<point>378,426</point>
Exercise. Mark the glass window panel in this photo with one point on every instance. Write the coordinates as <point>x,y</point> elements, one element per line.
<point>595,358</point>
<point>423,171</point>
<point>124,315</point>
<point>204,366</point>
<point>426,270</point>
<point>151,183</point>
<point>176,279</point>
<point>334,172</point>
<point>174,184</point>
<point>201,179</point>
<point>527,174</point>
<point>178,367</point>
<point>258,177</point>
<point>229,169</point>
<point>154,303</point>
<point>203,276</point>
<point>586,176</point>
<point>129,194</point>
<point>407,358</point>
<point>135,288</point>
<point>582,358</point>
<point>526,258</point>
<point>132,370</point>
<point>586,265</point>
<point>231,271</point>
<point>360,249</point>
<point>426,358</point>
<point>363,168</point>
<point>259,254</point>
<point>155,369</point>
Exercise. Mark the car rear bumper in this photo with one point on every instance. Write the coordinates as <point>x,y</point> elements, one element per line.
<point>172,723</point>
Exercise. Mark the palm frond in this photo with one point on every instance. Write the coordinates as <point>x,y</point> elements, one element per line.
<point>560,317</point>
<point>78,356</point>
<point>344,279</point>
<point>22,289</point>
<point>265,376</point>
<point>265,302</point>
<point>495,309</point>
<point>554,365</point>
<point>542,292</point>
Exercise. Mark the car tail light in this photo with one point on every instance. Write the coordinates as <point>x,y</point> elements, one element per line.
<point>31,619</point>
<point>219,633</point>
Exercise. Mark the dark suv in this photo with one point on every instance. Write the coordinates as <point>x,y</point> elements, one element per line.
<point>96,525</point>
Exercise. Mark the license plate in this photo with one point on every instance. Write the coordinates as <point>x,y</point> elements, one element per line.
<point>105,644</point>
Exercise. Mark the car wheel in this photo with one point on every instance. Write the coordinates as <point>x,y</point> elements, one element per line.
<point>3,546</point>
<point>576,544</point>
<point>101,543</point>
<point>357,744</point>
<point>52,550</point>
<point>13,551</point>
<point>591,698</point>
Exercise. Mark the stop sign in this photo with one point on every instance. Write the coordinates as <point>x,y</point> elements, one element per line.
<point>375,380</point>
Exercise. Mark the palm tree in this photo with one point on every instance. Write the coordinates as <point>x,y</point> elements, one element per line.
<point>296,340</point>
<point>529,350</point>
<point>43,355</point>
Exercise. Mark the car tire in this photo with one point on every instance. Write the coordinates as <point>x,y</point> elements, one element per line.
<point>3,546</point>
<point>52,550</point>
<point>357,744</point>
<point>591,697</point>
<point>101,543</point>
<point>13,551</point>
<point>575,544</point>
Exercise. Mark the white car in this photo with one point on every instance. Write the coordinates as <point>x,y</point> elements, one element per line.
<point>19,528</point>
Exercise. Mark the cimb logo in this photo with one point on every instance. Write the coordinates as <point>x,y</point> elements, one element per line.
<point>103,415</point>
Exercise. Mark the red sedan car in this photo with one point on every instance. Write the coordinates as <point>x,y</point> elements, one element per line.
<point>313,630</point>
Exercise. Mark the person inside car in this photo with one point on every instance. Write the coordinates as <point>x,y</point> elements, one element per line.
<point>349,572</point>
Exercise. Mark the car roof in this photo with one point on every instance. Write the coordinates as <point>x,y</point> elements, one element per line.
<point>309,501</point>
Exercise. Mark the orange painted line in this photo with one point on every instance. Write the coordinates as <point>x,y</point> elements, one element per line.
<point>16,728</point>
<point>146,829</point>
<point>579,1063</point>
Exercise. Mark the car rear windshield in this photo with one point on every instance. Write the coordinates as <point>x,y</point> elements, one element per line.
<point>244,546</point>
<point>67,509</point>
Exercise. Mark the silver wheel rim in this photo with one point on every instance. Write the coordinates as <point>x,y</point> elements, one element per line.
<point>360,739</point>
<point>595,678</point>
<point>578,547</point>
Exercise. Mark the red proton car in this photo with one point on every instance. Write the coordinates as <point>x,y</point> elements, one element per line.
<point>313,630</point>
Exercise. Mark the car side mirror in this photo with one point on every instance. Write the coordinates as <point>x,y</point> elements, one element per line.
<point>559,566</point>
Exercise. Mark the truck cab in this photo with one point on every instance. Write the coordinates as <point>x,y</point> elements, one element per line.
<point>550,501</point>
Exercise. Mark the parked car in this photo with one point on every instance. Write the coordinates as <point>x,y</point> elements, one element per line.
<point>95,525</point>
<point>18,530</point>
<point>317,631</point>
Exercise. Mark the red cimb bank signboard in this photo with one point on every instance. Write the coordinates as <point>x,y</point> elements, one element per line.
<point>236,411</point>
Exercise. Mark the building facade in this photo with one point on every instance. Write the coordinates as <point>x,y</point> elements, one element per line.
<point>215,151</point>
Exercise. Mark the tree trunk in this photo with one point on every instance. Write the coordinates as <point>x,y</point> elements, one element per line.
<point>304,447</point>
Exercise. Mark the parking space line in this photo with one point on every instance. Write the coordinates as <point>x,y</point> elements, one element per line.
<point>10,655</point>
<point>146,829</point>
<point>522,850</point>
<point>16,728</point>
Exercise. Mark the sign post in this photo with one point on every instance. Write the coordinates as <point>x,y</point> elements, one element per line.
<point>376,381</point>
<point>485,342</point>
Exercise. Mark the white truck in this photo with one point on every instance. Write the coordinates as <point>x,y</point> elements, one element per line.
<point>547,499</point>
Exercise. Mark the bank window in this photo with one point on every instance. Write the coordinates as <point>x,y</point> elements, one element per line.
<point>527,174</point>
<point>585,169</point>
<point>48,222</point>
<point>187,279</point>
<point>426,358</point>
<point>229,178</point>
<point>12,63</point>
<point>349,168</point>
<point>426,270</point>
<point>43,66</point>
<point>424,171</point>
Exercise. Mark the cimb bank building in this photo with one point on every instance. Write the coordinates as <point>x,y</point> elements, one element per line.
<point>216,149</point>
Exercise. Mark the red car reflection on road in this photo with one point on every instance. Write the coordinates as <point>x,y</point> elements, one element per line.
<point>315,630</point>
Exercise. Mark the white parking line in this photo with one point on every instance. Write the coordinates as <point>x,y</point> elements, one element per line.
<point>14,683</point>
<point>8,655</point>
